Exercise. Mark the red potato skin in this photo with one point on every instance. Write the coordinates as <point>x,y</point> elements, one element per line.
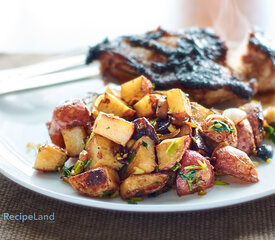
<point>223,136</point>
<point>67,115</point>
<point>255,117</point>
<point>228,160</point>
<point>246,141</point>
<point>207,176</point>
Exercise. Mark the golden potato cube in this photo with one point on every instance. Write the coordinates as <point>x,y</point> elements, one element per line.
<point>170,151</point>
<point>113,92</point>
<point>102,152</point>
<point>140,185</point>
<point>134,90</point>
<point>116,129</point>
<point>50,157</point>
<point>112,104</point>
<point>99,182</point>
<point>146,107</point>
<point>142,157</point>
<point>199,113</point>
<point>179,104</point>
<point>74,139</point>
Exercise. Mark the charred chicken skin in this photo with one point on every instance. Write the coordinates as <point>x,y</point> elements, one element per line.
<point>259,61</point>
<point>193,60</point>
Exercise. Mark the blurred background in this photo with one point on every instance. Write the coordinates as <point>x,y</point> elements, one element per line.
<point>56,26</point>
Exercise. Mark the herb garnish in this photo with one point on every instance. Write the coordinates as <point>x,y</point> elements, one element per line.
<point>190,177</point>
<point>107,128</point>
<point>134,200</point>
<point>218,181</point>
<point>174,146</point>
<point>107,193</point>
<point>201,166</point>
<point>270,133</point>
<point>176,167</point>
<point>144,144</point>
<point>87,163</point>
<point>219,126</point>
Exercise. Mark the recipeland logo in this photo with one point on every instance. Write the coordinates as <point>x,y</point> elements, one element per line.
<point>21,217</point>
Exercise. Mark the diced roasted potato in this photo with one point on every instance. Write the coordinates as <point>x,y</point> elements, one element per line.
<point>74,139</point>
<point>67,115</point>
<point>146,107</point>
<point>232,161</point>
<point>134,90</point>
<point>269,115</point>
<point>99,182</point>
<point>102,152</point>
<point>199,113</point>
<point>162,107</point>
<point>170,151</point>
<point>144,128</point>
<point>111,104</point>
<point>114,92</point>
<point>179,104</point>
<point>116,129</point>
<point>196,174</point>
<point>142,157</point>
<point>255,117</point>
<point>49,158</point>
<point>140,185</point>
<point>220,129</point>
<point>246,141</point>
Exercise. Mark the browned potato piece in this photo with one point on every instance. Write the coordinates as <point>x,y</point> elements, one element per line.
<point>113,92</point>
<point>228,160</point>
<point>67,115</point>
<point>74,139</point>
<point>170,151</point>
<point>199,113</point>
<point>49,158</point>
<point>140,185</point>
<point>146,107</point>
<point>246,141</point>
<point>203,176</point>
<point>97,182</point>
<point>255,117</point>
<point>102,152</point>
<point>111,104</point>
<point>269,115</point>
<point>162,107</point>
<point>134,90</point>
<point>220,129</point>
<point>179,104</point>
<point>142,157</point>
<point>116,129</point>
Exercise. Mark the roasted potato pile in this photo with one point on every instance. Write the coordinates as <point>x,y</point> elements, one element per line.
<point>139,141</point>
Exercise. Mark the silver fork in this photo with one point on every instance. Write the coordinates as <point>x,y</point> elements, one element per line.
<point>56,71</point>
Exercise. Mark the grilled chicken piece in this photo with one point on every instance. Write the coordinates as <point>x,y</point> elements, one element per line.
<point>193,60</point>
<point>259,61</point>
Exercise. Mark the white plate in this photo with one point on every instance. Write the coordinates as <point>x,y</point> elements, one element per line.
<point>23,118</point>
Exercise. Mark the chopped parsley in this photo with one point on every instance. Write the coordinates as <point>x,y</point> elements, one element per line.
<point>138,136</point>
<point>176,167</point>
<point>144,144</point>
<point>107,193</point>
<point>107,128</point>
<point>129,106</point>
<point>219,126</point>
<point>190,178</point>
<point>158,182</point>
<point>87,163</point>
<point>154,122</point>
<point>270,133</point>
